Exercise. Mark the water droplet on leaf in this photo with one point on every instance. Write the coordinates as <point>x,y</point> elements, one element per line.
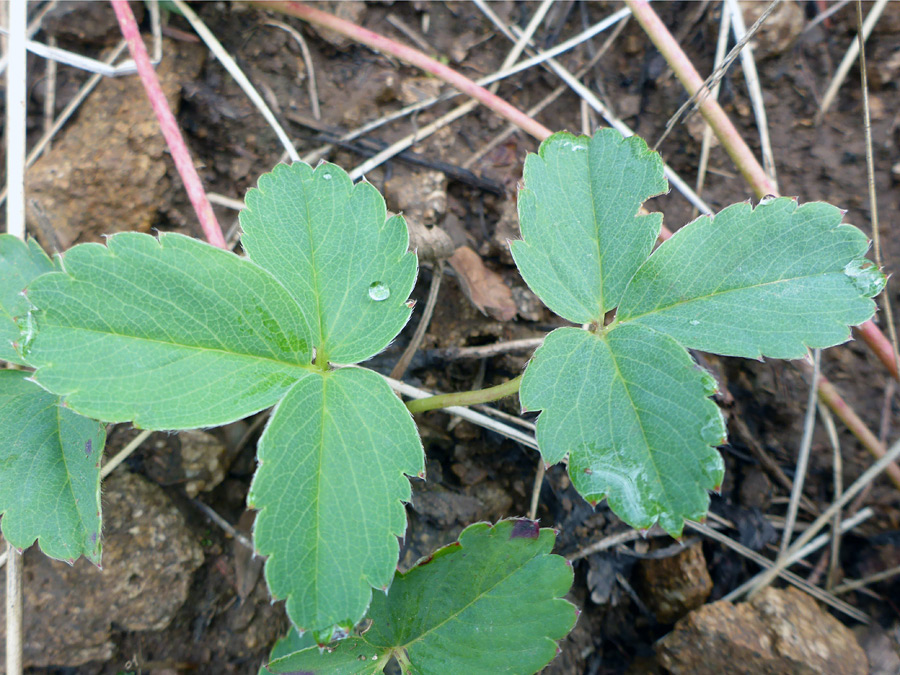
<point>713,432</point>
<point>379,291</point>
<point>865,275</point>
<point>710,386</point>
<point>326,176</point>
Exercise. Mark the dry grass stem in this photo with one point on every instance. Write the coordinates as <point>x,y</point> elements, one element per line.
<point>235,71</point>
<point>803,454</point>
<point>751,76</point>
<point>847,63</point>
<point>123,454</point>
<point>788,576</point>
<point>310,67</point>
<point>403,363</point>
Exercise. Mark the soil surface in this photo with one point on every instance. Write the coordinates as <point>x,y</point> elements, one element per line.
<point>226,623</point>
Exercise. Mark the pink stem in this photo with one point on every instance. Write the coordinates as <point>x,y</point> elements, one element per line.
<point>413,57</point>
<point>712,112</point>
<point>180,153</point>
<point>878,343</point>
<point>830,397</point>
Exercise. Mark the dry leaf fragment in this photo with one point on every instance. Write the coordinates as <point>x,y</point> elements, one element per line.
<point>483,286</point>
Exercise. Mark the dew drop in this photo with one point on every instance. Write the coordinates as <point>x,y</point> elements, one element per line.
<point>379,291</point>
<point>710,385</point>
<point>326,176</point>
<point>713,432</point>
<point>866,277</point>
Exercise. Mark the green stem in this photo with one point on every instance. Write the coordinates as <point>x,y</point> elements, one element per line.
<point>465,397</point>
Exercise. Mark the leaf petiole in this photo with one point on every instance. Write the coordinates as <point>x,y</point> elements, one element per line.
<point>465,397</point>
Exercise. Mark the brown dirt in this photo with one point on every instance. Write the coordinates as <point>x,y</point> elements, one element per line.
<point>475,475</point>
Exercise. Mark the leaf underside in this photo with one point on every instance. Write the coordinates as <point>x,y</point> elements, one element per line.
<point>330,488</point>
<point>332,246</point>
<point>49,472</point>
<point>20,264</point>
<point>490,603</point>
<point>582,237</point>
<point>630,408</point>
<point>169,333</point>
<point>770,281</point>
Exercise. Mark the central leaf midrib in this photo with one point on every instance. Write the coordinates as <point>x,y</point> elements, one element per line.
<point>716,293</point>
<point>303,366</point>
<point>597,241</point>
<point>319,472</point>
<point>615,363</point>
<point>314,271</point>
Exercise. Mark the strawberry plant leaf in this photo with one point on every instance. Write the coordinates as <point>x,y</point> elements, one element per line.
<point>330,243</point>
<point>49,472</point>
<point>490,603</point>
<point>630,408</point>
<point>291,643</point>
<point>170,333</point>
<point>769,281</point>
<point>582,237</point>
<point>20,264</point>
<point>329,488</point>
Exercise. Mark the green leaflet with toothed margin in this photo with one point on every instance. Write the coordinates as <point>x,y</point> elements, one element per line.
<point>330,490</point>
<point>49,472</point>
<point>491,603</point>
<point>765,281</point>
<point>168,333</point>
<point>20,264</point>
<point>578,211</point>
<point>630,408</point>
<point>332,246</point>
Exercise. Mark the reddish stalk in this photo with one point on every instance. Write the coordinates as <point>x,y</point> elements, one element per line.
<point>878,343</point>
<point>180,153</point>
<point>712,112</point>
<point>830,397</point>
<point>413,57</point>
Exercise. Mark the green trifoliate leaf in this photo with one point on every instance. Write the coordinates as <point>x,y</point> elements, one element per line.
<point>169,333</point>
<point>20,264</point>
<point>332,246</point>
<point>582,237</point>
<point>330,489</point>
<point>49,472</point>
<point>630,408</point>
<point>769,281</point>
<point>491,603</point>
